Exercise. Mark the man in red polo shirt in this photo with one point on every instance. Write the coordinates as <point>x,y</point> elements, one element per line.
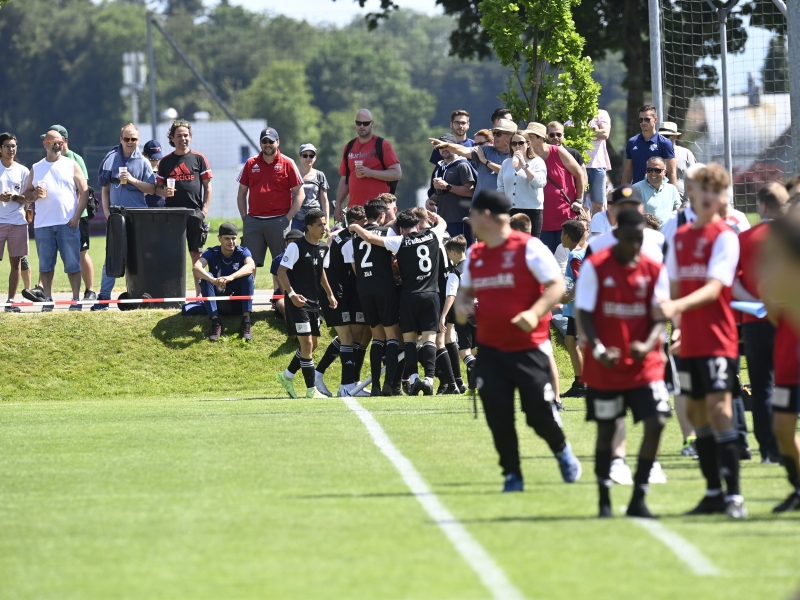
<point>369,167</point>
<point>275,188</point>
<point>516,281</point>
<point>758,335</point>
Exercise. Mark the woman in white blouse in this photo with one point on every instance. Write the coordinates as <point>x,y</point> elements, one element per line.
<point>522,178</point>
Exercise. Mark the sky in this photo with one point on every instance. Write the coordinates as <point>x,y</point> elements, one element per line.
<point>340,12</point>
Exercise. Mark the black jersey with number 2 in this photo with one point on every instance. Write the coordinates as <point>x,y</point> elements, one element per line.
<point>373,264</point>
<point>420,256</point>
<point>304,262</point>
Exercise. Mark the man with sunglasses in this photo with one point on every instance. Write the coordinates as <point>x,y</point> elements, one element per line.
<point>459,124</point>
<point>642,147</point>
<point>58,187</point>
<point>270,195</point>
<point>369,167</point>
<point>661,198</point>
<point>555,136</point>
<point>123,188</point>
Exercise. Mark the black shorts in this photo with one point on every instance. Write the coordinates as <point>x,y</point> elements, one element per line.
<point>450,318</point>
<point>303,321</point>
<point>571,328</point>
<point>706,375</point>
<point>499,373</point>
<point>643,402</point>
<point>83,226</point>
<point>786,399</point>
<point>347,312</point>
<point>196,232</point>
<point>466,336</point>
<point>419,312</point>
<point>381,309</point>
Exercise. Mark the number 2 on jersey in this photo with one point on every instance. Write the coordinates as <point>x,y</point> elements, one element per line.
<point>365,264</point>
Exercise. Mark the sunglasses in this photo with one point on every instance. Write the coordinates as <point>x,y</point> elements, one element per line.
<point>180,123</point>
<point>654,170</point>
<point>56,143</point>
<point>481,143</point>
<point>555,135</point>
<point>268,141</point>
<point>499,133</point>
<point>644,119</point>
<point>130,139</point>
<point>363,123</point>
<point>308,155</point>
<point>518,144</point>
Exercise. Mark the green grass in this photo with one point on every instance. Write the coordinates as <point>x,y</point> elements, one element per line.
<point>141,461</point>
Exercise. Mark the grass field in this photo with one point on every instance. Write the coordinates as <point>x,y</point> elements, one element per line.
<point>140,461</point>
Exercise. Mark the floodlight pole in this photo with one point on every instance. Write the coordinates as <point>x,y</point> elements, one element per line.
<point>657,82</point>
<point>152,65</point>
<point>793,21</point>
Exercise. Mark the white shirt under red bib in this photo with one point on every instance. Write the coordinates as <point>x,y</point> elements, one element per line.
<point>507,280</point>
<point>621,297</point>
<point>700,254</point>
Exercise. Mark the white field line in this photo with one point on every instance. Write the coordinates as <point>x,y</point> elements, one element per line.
<point>682,548</point>
<point>471,551</point>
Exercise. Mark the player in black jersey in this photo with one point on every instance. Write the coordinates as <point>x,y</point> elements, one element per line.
<point>379,294</point>
<point>446,339</point>
<point>419,255</point>
<point>348,317</point>
<point>301,276</point>
<point>466,335</point>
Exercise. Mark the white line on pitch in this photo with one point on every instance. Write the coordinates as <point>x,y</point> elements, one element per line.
<point>478,559</point>
<point>681,547</point>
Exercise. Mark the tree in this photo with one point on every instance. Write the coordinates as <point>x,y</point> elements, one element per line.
<point>538,41</point>
<point>775,72</point>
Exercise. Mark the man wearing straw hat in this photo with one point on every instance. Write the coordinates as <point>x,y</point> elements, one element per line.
<point>683,156</point>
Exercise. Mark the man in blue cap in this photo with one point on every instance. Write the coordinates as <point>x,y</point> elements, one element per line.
<point>152,152</point>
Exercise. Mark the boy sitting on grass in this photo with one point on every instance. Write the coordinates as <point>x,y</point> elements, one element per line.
<point>573,238</point>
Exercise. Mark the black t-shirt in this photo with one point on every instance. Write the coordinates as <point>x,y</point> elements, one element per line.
<point>420,255</point>
<point>189,172</point>
<point>339,272</point>
<point>304,262</point>
<point>576,154</point>
<point>373,264</point>
<point>452,207</point>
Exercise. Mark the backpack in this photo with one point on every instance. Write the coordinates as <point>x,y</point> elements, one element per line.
<point>378,152</point>
<point>92,206</point>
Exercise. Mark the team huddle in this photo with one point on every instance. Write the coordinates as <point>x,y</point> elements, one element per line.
<point>397,276</point>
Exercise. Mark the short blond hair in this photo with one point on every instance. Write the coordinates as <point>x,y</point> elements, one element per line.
<point>388,198</point>
<point>128,126</point>
<point>713,176</point>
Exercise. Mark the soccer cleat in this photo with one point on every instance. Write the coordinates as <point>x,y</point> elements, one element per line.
<point>343,391</point>
<point>569,464</point>
<point>745,453</point>
<point>446,389</point>
<point>709,505</point>
<point>99,306</point>
<point>416,387</point>
<point>620,472</point>
<point>770,459</point>
<point>578,390</point>
<point>319,383</point>
<point>89,295</point>
<point>406,385</point>
<point>75,307</point>
<point>364,392</point>
<point>245,332</point>
<point>560,406</point>
<point>657,474</point>
<point>12,309</point>
<point>461,388</point>
<point>215,331</point>
<point>397,390</point>
<point>690,447</point>
<point>287,384</point>
<point>375,392</point>
<point>791,503</point>
<point>638,508</point>
<point>604,504</point>
<point>735,508</point>
<point>427,387</point>
<point>513,483</point>
<point>387,390</point>
<point>313,392</point>
<point>35,294</point>
<point>47,307</point>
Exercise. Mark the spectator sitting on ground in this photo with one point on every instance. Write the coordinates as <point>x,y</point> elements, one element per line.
<point>521,222</point>
<point>279,304</point>
<point>661,198</point>
<point>230,273</point>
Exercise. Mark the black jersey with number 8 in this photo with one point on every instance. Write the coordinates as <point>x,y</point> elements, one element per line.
<point>420,256</point>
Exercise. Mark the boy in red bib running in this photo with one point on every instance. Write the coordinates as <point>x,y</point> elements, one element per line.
<point>702,265</point>
<point>623,369</point>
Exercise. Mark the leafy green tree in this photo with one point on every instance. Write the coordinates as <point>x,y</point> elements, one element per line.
<point>544,51</point>
<point>775,72</point>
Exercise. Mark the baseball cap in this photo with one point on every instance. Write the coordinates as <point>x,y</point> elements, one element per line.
<point>270,133</point>
<point>294,234</point>
<point>304,147</point>
<point>59,128</point>
<point>626,193</point>
<point>448,138</point>
<point>495,202</point>
<point>228,229</point>
<point>505,125</point>
<point>152,149</point>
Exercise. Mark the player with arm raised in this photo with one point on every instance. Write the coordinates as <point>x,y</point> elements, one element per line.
<point>623,368</point>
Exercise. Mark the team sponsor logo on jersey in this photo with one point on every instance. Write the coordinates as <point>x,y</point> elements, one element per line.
<point>623,309</point>
<point>508,259</point>
<point>503,280</point>
<point>609,282</point>
<point>700,249</point>
<point>696,271</point>
<point>653,147</point>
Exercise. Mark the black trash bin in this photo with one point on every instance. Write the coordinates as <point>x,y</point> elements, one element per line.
<point>155,257</point>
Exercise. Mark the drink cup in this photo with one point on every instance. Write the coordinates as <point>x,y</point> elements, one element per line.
<point>358,163</point>
<point>43,186</point>
<point>123,175</point>
<point>170,186</point>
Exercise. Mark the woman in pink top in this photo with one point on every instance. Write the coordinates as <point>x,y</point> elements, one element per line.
<point>560,196</point>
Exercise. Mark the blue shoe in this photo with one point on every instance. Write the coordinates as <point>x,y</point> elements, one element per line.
<point>513,483</point>
<point>97,307</point>
<point>569,464</point>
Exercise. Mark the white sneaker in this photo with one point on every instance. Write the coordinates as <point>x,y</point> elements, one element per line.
<point>319,383</point>
<point>363,393</point>
<point>657,474</point>
<point>344,390</point>
<point>620,472</point>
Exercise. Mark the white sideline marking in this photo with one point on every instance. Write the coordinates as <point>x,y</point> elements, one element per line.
<point>682,548</point>
<point>471,551</point>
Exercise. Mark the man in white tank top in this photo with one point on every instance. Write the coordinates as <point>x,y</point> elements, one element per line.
<point>60,191</point>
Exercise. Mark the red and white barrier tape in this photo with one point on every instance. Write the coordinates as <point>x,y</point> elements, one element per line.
<point>255,299</point>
